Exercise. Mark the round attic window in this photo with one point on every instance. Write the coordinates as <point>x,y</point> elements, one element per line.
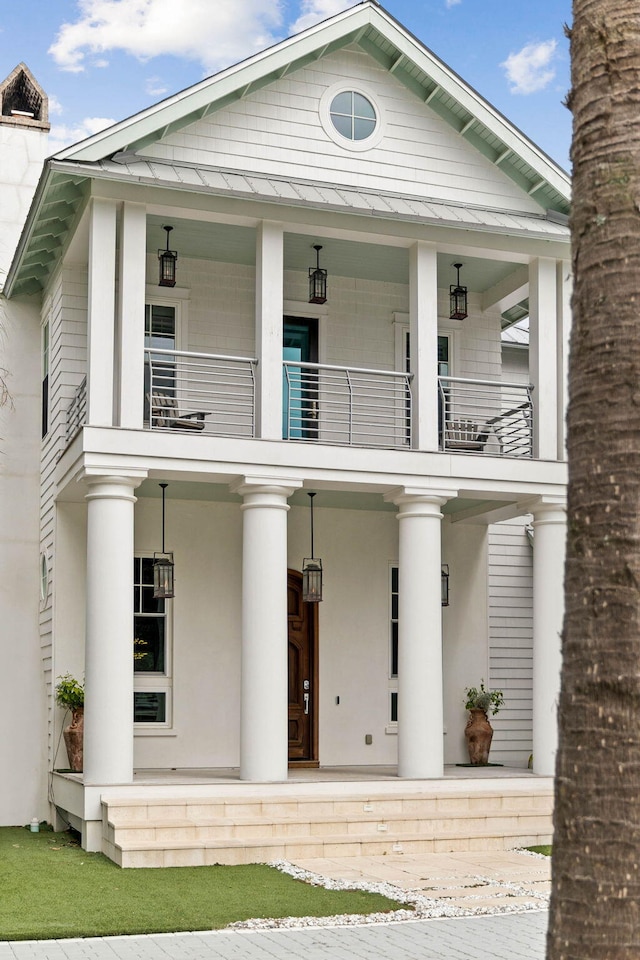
<point>353,116</point>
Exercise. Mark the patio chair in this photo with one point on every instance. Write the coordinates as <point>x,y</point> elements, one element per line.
<point>464,435</point>
<point>165,413</point>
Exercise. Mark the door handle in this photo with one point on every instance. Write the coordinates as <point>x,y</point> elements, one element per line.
<point>306,703</point>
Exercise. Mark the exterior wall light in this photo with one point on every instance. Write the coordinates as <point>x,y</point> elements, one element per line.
<point>163,566</point>
<point>311,570</point>
<point>444,584</point>
<point>458,298</point>
<point>317,280</point>
<point>168,259</point>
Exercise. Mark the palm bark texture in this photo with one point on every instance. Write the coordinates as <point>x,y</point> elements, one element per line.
<point>595,905</point>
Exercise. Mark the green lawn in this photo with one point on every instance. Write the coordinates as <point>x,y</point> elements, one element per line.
<point>52,888</point>
<point>544,848</point>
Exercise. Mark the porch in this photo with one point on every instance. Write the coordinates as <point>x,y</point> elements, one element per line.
<point>205,816</point>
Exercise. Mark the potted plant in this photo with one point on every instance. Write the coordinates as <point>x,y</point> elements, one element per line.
<point>478,731</point>
<point>70,696</point>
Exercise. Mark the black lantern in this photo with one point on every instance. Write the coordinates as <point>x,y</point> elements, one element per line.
<point>311,570</point>
<point>458,298</point>
<point>168,259</point>
<point>444,584</point>
<point>163,566</point>
<point>317,280</point>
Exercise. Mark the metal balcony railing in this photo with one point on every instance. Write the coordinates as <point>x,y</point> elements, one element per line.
<point>346,405</point>
<point>77,410</point>
<point>485,416</point>
<point>199,392</point>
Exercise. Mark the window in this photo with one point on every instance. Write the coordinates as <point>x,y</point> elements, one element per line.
<point>45,379</point>
<point>394,594</point>
<point>152,684</point>
<point>352,115</point>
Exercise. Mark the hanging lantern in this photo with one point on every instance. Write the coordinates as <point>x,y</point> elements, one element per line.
<point>311,570</point>
<point>458,298</point>
<point>444,584</point>
<point>317,280</point>
<point>168,259</point>
<point>163,566</point>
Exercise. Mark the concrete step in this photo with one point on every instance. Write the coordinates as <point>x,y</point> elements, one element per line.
<point>171,831</point>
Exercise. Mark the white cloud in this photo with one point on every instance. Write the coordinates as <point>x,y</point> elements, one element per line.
<point>313,11</point>
<point>155,87</point>
<point>63,136</point>
<point>55,107</point>
<point>453,3</point>
<point>215,33</point>
<point>531,68</point>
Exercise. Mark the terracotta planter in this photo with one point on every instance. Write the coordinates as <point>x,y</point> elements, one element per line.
<point>478,733</point>
<point>73,737</point>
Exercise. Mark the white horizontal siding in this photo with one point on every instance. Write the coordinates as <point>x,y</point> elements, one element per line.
<point>511,640</point>
<point>277,130</point>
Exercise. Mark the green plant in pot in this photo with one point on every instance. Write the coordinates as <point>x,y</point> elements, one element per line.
<point>69,694</point>
<point>480,701</point>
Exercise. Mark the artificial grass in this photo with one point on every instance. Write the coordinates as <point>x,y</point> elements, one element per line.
<point>51,888</point>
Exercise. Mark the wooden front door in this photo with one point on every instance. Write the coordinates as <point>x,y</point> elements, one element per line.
<point>302,675</point>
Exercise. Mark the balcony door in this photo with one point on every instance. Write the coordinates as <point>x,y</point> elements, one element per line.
<point>299,384</point>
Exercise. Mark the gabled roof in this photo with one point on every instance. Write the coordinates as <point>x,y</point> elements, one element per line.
<point>374,30</point>
<point>64,183</point>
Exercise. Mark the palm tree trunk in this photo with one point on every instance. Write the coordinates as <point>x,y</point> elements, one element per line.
<point>595,905</point>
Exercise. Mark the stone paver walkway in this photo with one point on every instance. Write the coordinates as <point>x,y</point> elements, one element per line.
<point>510,937</point>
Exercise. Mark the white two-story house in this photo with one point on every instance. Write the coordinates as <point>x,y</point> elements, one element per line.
<point>351,228</point>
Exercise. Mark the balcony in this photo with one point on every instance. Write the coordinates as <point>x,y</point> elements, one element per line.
<point>215,395</point>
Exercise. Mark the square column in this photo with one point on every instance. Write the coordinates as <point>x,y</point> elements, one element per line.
<point>131,297</point>
<point>420,698</point>
<point>423,325</point>
<point>108,712</point>
<point>101,312</point>
<point>549,537</point>
<point>543,357</point>
<point>269,313</point>
<point>264,740</point>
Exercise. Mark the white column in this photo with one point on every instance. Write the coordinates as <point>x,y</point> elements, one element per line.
<point>423,324</point>
<point>564,288</point>
<point>131,296</point>
<point>543,357</point>
<point>269,310</point>
<point>101,312</point>
<point>108,723</point>
<point>420,705</point>
<point>264,683</point>
<point>550,529</point>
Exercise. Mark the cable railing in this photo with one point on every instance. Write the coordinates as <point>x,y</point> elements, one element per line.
<point>346,405</point>
<point>485,416</point>
<point>199,392</point>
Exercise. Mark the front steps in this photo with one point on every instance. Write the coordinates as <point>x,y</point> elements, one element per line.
<point>235,828</point>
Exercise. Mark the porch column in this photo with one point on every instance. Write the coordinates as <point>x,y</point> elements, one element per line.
<point>564,290</point>
<point>108,723</point>
<point>269,310</point>
<point>423,326</point>
<point>101,312</point>
<point>550,530</point>
<point>543,357</point>
<point>131,296</point>
<point>264,681</point>
<point>420,705</point>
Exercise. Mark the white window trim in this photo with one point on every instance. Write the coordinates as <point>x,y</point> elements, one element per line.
<point>392,682</point>
<point>356,146</point>
<point>311,311</point>
<point>157,682</point>
<point>446,328</point>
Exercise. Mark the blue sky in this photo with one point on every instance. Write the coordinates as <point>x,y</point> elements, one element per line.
<point>103,60</point>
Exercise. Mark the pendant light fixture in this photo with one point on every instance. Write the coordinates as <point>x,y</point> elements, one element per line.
<point>311,570</point>
<point>317,279</point>
<point>458,298</point>
<point>163,565</point>
<point>168,259</point>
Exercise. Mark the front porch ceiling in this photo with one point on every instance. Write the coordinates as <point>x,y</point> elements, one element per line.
<point>459,508</point>
<point>226,243</point>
